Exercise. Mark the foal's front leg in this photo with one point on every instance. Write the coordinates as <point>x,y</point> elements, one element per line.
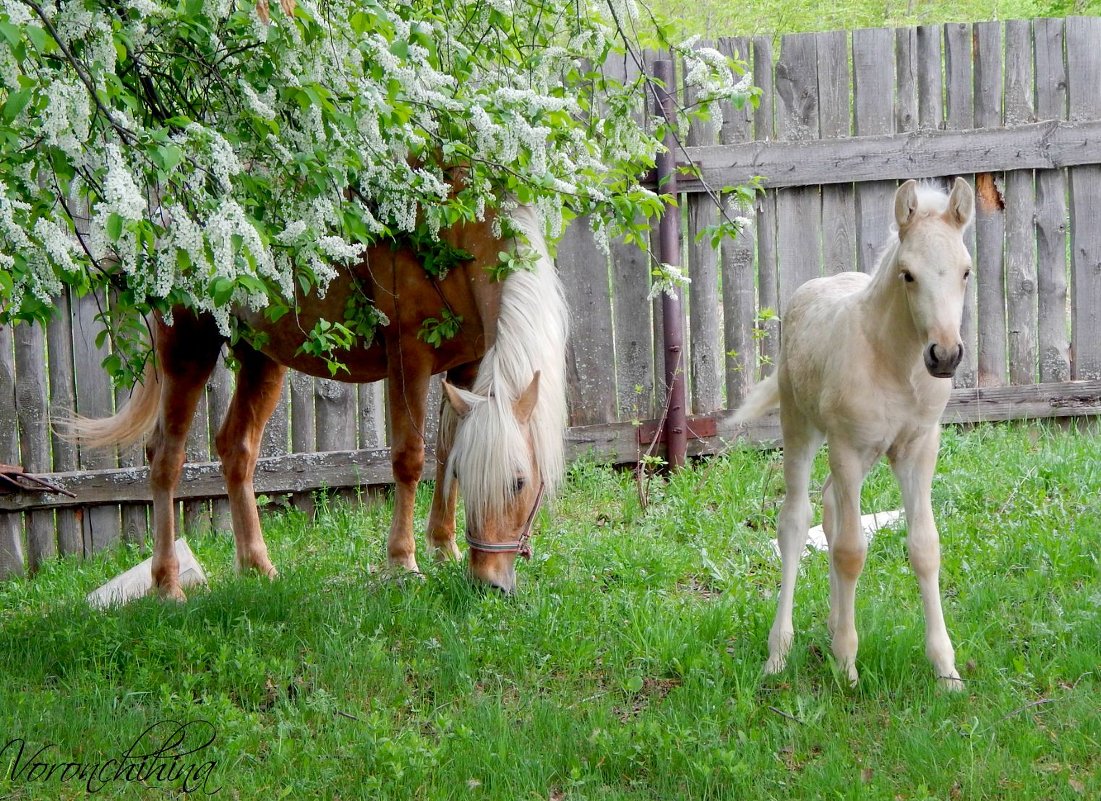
<point>848,550</point>
<point>913,467</point>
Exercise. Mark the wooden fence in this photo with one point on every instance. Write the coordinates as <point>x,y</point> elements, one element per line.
<point>1014,107</point>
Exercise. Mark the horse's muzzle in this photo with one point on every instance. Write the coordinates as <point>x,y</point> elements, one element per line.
<point>942,362</point>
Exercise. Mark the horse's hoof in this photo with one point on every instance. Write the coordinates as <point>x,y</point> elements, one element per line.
<point>171,593</point>
<point>775,664</point>
<point>447,553</point>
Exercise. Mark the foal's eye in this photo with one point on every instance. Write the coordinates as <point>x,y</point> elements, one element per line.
<point>966,274</point>
<point>518,486</point>
<point>907,276</point>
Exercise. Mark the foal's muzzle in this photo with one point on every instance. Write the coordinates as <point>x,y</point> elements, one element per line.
<point>942,362</point>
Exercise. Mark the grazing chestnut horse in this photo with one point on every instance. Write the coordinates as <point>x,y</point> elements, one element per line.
<point>500,440</point>
<point>866,363</point>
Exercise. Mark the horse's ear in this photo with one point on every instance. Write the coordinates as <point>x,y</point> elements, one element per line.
<point>461,400</point>
<point>906,204</point>
<point>961,204</point>
<point>525,405</point>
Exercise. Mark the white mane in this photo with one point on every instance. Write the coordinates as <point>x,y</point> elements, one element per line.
<point>932,201</point>
<point>489,450</point>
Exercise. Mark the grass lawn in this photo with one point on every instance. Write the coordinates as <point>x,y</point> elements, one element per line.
<point>627,667</point>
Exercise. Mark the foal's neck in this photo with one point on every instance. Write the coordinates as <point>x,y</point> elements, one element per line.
<point>887,319</point>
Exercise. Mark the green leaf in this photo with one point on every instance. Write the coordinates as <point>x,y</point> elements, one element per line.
<point>114,226</point>
<point>221,290</point>
<point>16,102</point>
<point>11,33</point>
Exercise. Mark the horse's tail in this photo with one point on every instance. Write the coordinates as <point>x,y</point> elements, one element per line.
<point>762,399</point>
<point>133,421</point>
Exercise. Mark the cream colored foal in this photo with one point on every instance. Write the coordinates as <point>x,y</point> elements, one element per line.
<point>865,364</point>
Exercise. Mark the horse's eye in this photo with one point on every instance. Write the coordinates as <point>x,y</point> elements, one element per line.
<point>966,274</point>
<point>517,486</point>
<point>907,276</point>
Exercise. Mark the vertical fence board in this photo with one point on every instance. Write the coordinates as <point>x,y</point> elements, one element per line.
<point>592,395</point>
<point>196,514</point>
<point>1020,213</point>
<point>739,293</point>
<point>989,276</point>
<point>372,414</point>
<point>768,287</point>
<point>835,121</point>
<point>11,524</point>
<point>798,209</point>
<point>334,405</point>
<point>873,78</point>
<point>930,82</point>
<point>276,439</point>
<point>59,345</point>
<point>1083,41</point>
<point>959,90</point>
<point>94,398</point>
<point>1051,210</point>
<point>704,309</point>
<point>34,434</point>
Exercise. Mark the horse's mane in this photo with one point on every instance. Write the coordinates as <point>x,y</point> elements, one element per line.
<point>489,450</point>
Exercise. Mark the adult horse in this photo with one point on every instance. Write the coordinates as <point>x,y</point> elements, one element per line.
<point>500,440</point>
<point>866,363</point>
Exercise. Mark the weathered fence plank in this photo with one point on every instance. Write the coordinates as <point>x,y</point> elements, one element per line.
<point>930,84</point>
<point>874,86</point>
<point>11,524</point>
<point>196,514</point>
<point>1083,42</point>
<point>704,320</point>
<point>277,432</point>
<point>768,287</point>
<point>1051,210</point>
<point>219,395</point>
<point>835,121</point>
<point>94,398</point>
<point>31,397</point>
<point>59,345</point>
<point>798,209</point>
<point>988,276</point>
<point>1020,212</point>
<point>372,415</point>
<point>334,405</point>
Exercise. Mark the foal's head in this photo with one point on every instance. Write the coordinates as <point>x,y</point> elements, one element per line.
<point>493,458</point>
<point>933,265</point>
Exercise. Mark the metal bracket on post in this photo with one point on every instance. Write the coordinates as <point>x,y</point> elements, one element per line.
<point>676,428</point>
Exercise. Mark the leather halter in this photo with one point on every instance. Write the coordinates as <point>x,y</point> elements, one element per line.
<point>521,545</point>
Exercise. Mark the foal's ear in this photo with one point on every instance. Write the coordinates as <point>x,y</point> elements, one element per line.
<point>461,400</point>
<point>961,204</point>
<point>906,204</point>
<point>525,405</point>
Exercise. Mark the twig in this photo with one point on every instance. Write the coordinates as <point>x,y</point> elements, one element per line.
<point>784,714</point>
<point>348,715</point>
<point>1019,710</point>
<point>640,469</point>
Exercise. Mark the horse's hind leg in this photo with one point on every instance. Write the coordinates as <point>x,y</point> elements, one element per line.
<point>441,520</point>
<point>408,391</point>
<point>187,352</point>
<point>913,467</point>
<point>800,443</point>
<point>830,524</point>
<point>259,384</point>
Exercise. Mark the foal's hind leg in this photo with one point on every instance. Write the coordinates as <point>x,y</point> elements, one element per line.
<point>830,524</point>
<point>187,352</point>
<point>259,384</point>
<point>441,520</point>
<point>800,443</point>
<point>913,467</point>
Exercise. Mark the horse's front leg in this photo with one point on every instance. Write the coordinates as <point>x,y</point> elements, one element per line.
<point>408,391</point>
<point>441,520</point>
<point>913,467</point>
<point>848,549</point>
<point>259,385</point>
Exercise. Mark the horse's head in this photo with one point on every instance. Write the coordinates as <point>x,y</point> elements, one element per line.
<point>493,458</point>
<point>933,266</point>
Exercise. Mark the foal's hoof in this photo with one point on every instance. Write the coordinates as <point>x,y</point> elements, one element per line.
<point>775,664</point>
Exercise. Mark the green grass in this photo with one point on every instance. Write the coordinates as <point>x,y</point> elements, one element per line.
<point>627,667</point>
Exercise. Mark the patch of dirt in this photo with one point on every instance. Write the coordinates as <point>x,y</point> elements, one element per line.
<point>653,690</point>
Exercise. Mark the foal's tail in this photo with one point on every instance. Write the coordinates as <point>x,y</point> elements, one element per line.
<point>762,399</point>
<point>133,421</point>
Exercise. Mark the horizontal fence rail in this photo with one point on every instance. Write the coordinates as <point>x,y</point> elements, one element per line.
<point>1014,107</point>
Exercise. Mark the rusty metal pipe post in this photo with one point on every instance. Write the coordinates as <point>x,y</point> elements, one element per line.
<point>676,427</point>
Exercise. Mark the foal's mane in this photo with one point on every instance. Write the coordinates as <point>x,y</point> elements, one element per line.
<point>489,450</point>
<point>932,201</point>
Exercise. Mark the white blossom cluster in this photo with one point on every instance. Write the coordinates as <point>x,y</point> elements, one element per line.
<point>289,144</point>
